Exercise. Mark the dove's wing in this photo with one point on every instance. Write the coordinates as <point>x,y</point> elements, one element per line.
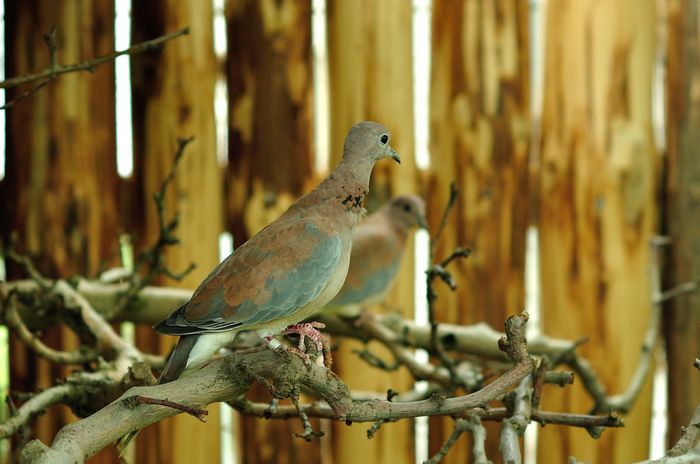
<point>375,259</point>
<point>273,275</point>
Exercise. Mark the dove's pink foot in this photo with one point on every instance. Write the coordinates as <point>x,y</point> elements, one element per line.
<point>307,329</point>
<point>274,344</point>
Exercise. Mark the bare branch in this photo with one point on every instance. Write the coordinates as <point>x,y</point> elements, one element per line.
<point>9,315</point>
<point>230,376</point>
<point>35,407</point>
<point>513,427</point>
<point>54,70</point>
<point>321,410</point>
<point>689,438</point>
<point>460,426</point>
<point>435,239</point>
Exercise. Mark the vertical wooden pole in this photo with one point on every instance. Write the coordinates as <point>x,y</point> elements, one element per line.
<point>270,158</point>
<point>597,208</point>
<point>174,97</point>
<point>479,137</point>
<point>682,316</point>
<point>59,193</point>
<point>370,71</point>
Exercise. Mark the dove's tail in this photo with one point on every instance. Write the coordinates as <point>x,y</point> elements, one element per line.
<point>178,359</point>
<point>173,368</point>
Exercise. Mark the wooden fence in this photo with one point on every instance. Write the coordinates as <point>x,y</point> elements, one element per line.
<point>586,174</point>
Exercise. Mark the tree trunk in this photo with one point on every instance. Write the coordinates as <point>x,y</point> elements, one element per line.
<point>371,78</point>
<point>59,193</point>
<point>598,209</point>
<point>270,160</point>
<point>479,130</point>
<point>682,316</point>
<point>173,93</point>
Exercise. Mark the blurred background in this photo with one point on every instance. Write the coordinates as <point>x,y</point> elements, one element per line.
<point>569,126</point>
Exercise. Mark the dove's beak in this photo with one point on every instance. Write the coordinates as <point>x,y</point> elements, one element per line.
<point>394,155</point>
<point>422,222</point>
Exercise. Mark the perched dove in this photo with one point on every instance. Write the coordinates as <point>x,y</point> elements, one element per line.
<point>377,249</point>
<point>287,271</point>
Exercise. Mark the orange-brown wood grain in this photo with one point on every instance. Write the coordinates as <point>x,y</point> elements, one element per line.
<point>173,93</point>
<point>479,138</point>
<point>371,77</point>
<point>59,193</point>
<point>269,73</point>
<point>682,326</point>
<point>598,209</point>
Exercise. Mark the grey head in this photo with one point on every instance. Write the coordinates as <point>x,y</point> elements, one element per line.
<point>407,211</point>
<point>369,140</point>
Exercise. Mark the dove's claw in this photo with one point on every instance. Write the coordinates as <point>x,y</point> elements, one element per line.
<point>307,329</point>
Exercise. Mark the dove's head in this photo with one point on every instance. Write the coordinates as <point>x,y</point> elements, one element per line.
<point>407,211</point>
<point>370,141</point>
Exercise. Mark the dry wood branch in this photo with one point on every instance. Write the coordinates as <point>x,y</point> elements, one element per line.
<point>10,316</point>
<point>153,304</point>
<point>54,69</point>
<point>514,427</point>
<point>440,270</point>
<point>154,256</point>
<point>35,407</point>
<point>460,426</point>
<point>321,410</point>
<point>107,338</point>
<point>230,376</point>
<point>479,438</point>
<point>689,438</point>
<point>195,412</point>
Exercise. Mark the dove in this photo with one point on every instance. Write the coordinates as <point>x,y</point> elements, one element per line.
<point>378,246</point>
<point>286,272</point>
<point>283,274</point>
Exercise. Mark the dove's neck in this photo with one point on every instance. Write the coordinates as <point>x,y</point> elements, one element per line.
<point>349,183</point>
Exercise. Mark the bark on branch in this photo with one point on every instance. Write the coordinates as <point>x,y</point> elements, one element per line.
<point>230,376</point>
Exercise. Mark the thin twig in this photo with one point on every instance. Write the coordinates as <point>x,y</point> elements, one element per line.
<point>675,292</point>
<point>460,426</point>
<point>454,192</point>
<point>375,361</point>
<point>55,69</point>
<point>196,412</point>
<point>440,270</point>
<point>154,256</point>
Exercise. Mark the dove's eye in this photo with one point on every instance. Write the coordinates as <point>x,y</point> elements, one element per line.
<point>384,139</point>
<point>407,208</point>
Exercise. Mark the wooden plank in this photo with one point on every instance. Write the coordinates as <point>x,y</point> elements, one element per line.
<point>269,70</point>
<point>59,193</point>
<point>682,316</point>
<point>597,208</point>
<point>270,86</point>
<point>479,138</point>
<point>173,97</point>
<point>370,75</point>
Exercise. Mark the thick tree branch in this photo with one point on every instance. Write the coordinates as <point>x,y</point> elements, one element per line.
<point>230,376</point>
<point>690,436</point>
